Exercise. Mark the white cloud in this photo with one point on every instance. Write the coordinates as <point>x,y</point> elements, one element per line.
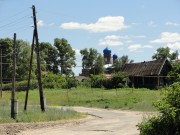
<point>116,37</point>
<point>173,46</point>
<point>167,37</point>
<point>40,23</point>
<point>151,24</point>
<point>110,43</point>
<point>104,24</point>
<point>172,24</point>
<point>132,48</point>
<point>77,52</point>
<point>136,47</point>
<point>141,36</point>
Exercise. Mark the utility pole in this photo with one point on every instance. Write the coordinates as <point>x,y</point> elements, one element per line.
<point>38,61</point>
<point>35,39</point>
<point>29,76</point>
<point>14,105</point>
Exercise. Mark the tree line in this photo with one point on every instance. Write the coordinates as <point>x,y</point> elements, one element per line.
<point>60,58</point>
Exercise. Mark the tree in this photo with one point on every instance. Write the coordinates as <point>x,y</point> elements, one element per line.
<point>89,57</point>
<point>6,46</point>
<point>120,63</point>
<point>174,74</point>
<point>66,56</point>
<point>23,57</point>
<point>162,53</point>
<point>49,56</point>
<point>98,66</point>
<point>168,120</point>
<point>93,60</point>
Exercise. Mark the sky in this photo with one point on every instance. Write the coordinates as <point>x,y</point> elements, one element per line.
<point>128,27</point>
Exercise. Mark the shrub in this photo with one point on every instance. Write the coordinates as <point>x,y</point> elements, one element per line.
<point>97,81</point>
<point>21,85</point>
<point>52,81</point>
<point>168,122</point>
<point>86,82</point>
<point>71,82</point>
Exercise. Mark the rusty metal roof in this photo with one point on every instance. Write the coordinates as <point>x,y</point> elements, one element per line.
<point>146,68</point>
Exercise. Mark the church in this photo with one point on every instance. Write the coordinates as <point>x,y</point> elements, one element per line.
<point>108,63</point>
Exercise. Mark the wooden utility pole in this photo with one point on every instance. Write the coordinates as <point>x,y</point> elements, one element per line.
<point>35,39</point>
<point>13,100</point>
<point>29,76</point>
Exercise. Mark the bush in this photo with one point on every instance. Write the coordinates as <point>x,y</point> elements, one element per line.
<point>168,122</point>
<point>21,85</point>
<point>52,81</point>
<point>86,82</point>
<point>71,82</point>
<point>97,81</point>
<point>118,80</point>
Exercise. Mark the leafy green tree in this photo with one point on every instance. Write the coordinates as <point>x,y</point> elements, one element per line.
<point>49,56</point>
<point>6,46</point>
<point>98,65</point>
<point>174,74</point>
<point>23,59</point>
<point>89,57</point>
<point>120,63</point>
<point>168,120</point>
<point>162,53</point>
<point>66,56</point>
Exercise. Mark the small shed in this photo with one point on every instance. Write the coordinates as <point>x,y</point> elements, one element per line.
<point>148,74</point>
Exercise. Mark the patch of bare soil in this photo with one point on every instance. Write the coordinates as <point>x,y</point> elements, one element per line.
<point>15,128</point>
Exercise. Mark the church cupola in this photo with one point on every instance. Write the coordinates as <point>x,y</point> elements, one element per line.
<point>107,55</point>
<point>114,57</point>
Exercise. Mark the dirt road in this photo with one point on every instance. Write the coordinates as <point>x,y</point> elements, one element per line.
<point>100,122</point>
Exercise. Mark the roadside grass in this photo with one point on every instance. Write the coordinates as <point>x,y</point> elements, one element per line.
<point>127,99</point>
<point>33,113</point>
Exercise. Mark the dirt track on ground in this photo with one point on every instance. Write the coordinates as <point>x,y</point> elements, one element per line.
<point>98,122</point>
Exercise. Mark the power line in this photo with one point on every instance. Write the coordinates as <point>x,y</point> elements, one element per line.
<point>14,22</point>
<point>12,16</point>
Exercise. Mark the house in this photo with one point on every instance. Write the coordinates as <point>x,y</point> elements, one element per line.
<point>148,74</point>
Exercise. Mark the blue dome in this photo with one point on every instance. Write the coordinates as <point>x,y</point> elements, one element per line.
<point>107,50</point>
<point>115,56</point>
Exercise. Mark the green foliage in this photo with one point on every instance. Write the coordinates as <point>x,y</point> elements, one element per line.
<point>22,59</point>
<point>163,53</point>
<point>120,63</point>
<point>51,80</point>
<point>174,74</point>
<point>97,81</point>
<point>71,82</point>
<point>86,82</point>
<point>49,56</point>
<point>118,80</point>
<point>66,56</point>
<point>98,66</point>
<point>168,122</point>
<point>21,85</point>
<point>89,57</point>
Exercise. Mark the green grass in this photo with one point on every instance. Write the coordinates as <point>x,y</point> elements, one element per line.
<point>128,99</point>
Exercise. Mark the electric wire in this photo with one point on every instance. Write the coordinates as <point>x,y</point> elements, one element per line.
<point>14,22</point>
<point>14,15</point>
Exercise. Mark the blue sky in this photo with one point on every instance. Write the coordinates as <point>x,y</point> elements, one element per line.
<point>128,27</point>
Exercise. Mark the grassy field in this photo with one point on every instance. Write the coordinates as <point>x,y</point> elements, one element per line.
<point>129,99</point>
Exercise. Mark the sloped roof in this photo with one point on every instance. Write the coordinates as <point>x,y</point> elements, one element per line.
<point>146,68</point>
